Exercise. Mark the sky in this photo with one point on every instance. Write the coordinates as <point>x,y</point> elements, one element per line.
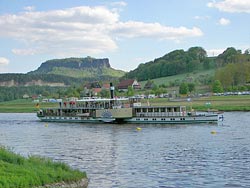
<point>128,32</point>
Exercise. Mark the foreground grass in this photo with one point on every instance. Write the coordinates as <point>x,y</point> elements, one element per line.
<point>17,171</point>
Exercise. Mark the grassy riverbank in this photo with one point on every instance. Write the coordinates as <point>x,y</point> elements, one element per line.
<point>17,171</point>
<point>223,103</point>
<point>23,106</point>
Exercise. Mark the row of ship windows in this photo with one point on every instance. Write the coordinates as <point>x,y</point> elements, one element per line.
<point>162,119</point>
<point>62,118</point>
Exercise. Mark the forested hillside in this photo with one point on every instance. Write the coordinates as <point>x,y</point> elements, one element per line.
<point>15,79</point>
<point>173,63</point>
<point>232,67</point>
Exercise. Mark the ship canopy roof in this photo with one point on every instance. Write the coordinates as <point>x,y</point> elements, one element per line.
<point>94,99</point>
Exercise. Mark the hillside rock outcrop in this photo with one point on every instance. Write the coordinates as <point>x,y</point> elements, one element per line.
<point>72,63</point>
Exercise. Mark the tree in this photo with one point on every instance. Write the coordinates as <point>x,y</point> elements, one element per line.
<point>191,87</point>
<point>183,89</point>
<point>45,93</point>
<point>206,64</point>
<point>197,53</point>
<point>228,56</point>
<point>196,56</point>
<point>105,93</point>
<point>217,87</point>
<point>149,85</point>
<point>159,91</point>
<point>233,75</point>
<point>224,75</point>
<point>130,91</point>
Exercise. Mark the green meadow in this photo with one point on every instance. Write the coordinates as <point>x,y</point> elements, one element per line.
<point>23,106</point>
<point>195,76</point>
<point>222,103</point>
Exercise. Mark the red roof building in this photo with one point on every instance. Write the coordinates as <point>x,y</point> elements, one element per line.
<point>92,85</point>
<point>106,86</point>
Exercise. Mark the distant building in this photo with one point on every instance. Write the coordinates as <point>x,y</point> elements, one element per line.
<point>94,88</point>
<point>34,97</point>
<point>149,85</point>
<point>92,85</point>
<point>123,85</point>
<point>106,86</point>
<point>95,91</point>
<point>26,96</point>
<point>91,89</point>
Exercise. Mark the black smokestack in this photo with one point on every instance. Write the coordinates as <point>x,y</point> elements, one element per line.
<point>112,89</point>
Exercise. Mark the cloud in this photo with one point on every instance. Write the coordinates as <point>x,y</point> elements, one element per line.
<point>215,52</point>
<point>29,8</point>
<point>4,61</point>
<point>224,21</point>
<point>232,6</point>
<point>74,31</point>
<point>218,51</point>
<point>202,17</point>
<point>81,30</point>
<point>24,51</point>
<point>132,29</point>
<point>119,3</point>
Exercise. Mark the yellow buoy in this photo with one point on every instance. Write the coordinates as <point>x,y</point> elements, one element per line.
<point>213,132</point>
<point>46,125</point>
<point>138,128</point>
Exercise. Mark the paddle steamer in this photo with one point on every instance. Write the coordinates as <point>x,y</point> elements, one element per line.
<point>123,110</point>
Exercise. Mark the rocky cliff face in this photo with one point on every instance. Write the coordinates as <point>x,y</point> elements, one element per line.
<point>72,63</point>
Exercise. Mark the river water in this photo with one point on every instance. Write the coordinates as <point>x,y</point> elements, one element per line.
<point>202,155</point>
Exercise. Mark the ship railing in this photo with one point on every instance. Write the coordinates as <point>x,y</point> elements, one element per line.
<point>158,114</point>
<point>81,107</point>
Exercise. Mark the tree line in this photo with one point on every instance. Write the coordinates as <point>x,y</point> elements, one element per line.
<point>22,79</point>
<point>234,76</point>
<point>13,93</point>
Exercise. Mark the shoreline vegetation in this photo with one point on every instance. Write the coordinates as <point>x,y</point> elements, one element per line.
<point>221,103</point>
<point>17,171</point>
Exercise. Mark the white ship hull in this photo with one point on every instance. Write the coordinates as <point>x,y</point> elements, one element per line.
<point>137,120</point>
